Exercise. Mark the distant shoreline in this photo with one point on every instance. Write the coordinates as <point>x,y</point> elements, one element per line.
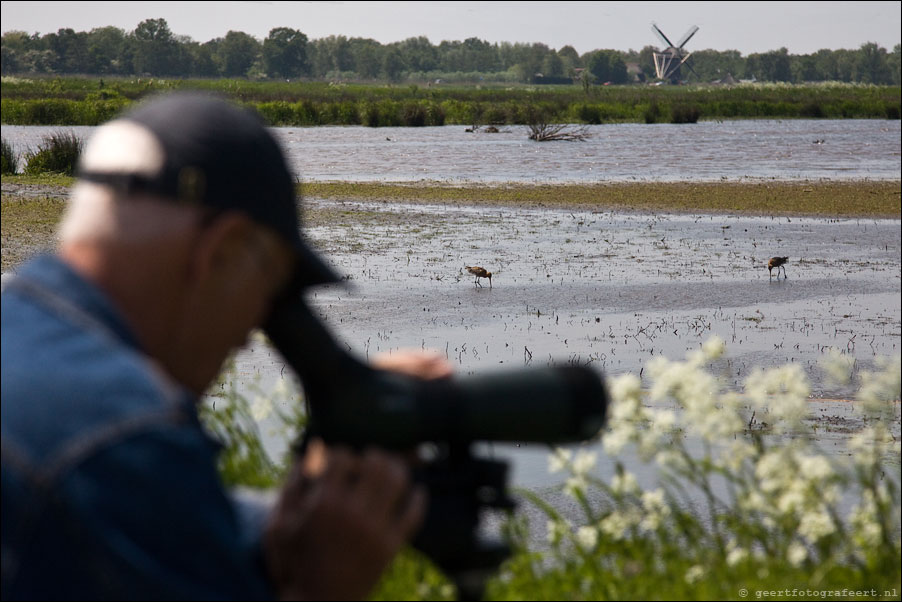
<point>32,205</point>
<point>825,199</point>
<point>812,198</point>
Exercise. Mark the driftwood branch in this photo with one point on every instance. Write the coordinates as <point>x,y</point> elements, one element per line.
<point>544,132</point>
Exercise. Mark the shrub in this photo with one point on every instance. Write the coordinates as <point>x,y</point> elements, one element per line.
<point>413,114</point>
<point>58,153</point>
<point>652,113</point>
<point>812,109</point>
<point>588,113</point>
<point>684,114</point>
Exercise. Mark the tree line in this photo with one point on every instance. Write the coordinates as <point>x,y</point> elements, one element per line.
<point>152,49</point>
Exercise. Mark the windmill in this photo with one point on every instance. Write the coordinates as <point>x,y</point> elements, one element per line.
<point>669,61</point>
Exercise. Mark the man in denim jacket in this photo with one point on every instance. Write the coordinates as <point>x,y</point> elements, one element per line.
<point>181,232</point>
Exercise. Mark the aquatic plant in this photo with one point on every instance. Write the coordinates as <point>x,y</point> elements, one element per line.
<point>9,158</point>
<point>58,153</point>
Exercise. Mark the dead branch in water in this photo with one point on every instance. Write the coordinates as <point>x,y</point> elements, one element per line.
<point>544,132</point>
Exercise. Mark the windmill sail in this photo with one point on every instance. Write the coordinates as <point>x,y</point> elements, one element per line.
<point>669,60</point>
<point>687,36</point>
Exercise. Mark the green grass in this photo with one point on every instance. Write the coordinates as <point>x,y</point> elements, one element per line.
<point>10,159</point>
<point>28,227</point>
<point>90,101</point>
<point>822,199</point>
<point>58,153</point>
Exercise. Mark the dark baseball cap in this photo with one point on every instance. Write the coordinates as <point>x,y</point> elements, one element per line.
<point>203,150</point>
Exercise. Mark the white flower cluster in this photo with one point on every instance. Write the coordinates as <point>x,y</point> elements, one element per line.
<point>880,389</point>
<point>783,392</point>
<point>783,487</point>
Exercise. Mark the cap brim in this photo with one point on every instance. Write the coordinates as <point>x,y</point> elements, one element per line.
<point>312,269</point>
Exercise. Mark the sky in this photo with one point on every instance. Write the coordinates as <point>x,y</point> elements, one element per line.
<point>749,27</point>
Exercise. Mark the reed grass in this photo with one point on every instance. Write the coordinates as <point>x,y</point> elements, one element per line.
<point>10,160</point>
<point>58,153</point>
<point>85,101</point>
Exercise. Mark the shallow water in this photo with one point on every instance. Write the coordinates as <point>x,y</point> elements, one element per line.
<point>605,289</point>
<point>705,151</point>
<point>611,291</point>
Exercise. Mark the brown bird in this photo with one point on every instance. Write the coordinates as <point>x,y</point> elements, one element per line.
<point>777,262</point>
<point>479,273</point>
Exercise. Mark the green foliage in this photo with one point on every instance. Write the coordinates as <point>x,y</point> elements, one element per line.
<point>235,421</point>
<point>285,53</point>
<point>154,50</point>
<point>9,158</point>
<point>652,112</point>
<point>80,101</point>
<point>746,501</point>
<point>684,114</point>
<point>58,153</point>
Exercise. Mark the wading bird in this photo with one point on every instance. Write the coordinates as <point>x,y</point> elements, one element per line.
<point>479,273</point>
<point>776,262</point>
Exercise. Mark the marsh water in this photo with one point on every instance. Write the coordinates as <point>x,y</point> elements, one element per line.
<point>704,151</point>
<point>609,290</point>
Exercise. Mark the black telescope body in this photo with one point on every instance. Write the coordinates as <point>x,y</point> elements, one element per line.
<point>355,404</point>
<point>351,403</point>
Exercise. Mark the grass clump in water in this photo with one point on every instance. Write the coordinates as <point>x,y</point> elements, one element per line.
<point>10,159</point>
<point>58,153</point>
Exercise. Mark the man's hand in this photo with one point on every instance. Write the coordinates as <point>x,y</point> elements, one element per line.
<point>412,362</point>
<point>340,520</point>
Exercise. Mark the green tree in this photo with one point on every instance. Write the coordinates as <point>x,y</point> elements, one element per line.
<point>70,51</point>
<point>770,66</point>
<point>14,46</point>
<point>368,56</point>
<point>419,54</point>
<point>804,68</point>
<point>552,65</point>
<point>607,66</point>
<point>392,64</point>
<point>107,53</point>
<point>894,61</point>
<point>332,54</point>
<point>237,54</point>
<point>846,64</point>
<point>285,53</point>
<point>872,66</point>
<point>570,57</point>
<point>202,58</point>
<point>155,48</point>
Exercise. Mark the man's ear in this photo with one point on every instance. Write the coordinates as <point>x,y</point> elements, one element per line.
<point>223,251</point>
